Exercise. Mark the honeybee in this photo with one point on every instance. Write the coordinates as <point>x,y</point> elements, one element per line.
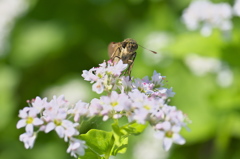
<point>126,51</point>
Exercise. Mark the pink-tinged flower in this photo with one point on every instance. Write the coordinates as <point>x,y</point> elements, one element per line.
<point>29,119</point>
<point>95,107</point>
<point>137,96</point>
<point>126,85</point>
<point>140,116</point>
<point>80,109</point>
<point>117,69</point>
<point>164,92</point>
<point>59,102</point>
<point>157,79</point>
<point>28,139</point>
<point>98,87</point>
<point>56,109</point>
<point>106,77</point>
<point>89,76</point>
<point>76,147</point>
<point>138,84</point>
<point>39,103</point>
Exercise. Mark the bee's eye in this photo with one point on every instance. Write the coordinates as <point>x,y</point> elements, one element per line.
<point>135,46</point>
<point>124,44</point>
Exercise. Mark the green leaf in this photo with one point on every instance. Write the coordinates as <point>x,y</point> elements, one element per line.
<point>121,135</point>
<point>120,140</point>
<point>89,154</point>
<point>134,128</point>
<point>99,141</point>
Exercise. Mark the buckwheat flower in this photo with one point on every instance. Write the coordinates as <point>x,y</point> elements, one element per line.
<point>56,109</point>
<point>64,128</point>
<point>56,120</point>
<point>138,84</point>
<point>176,117</point>
<point>29,119</point>
<point>157,114</point>
<point>137,96</point>
<point>157,79</point>
<point>59,102</point>
<point>28,139</point>
<point>106,77</point>
<point>117,69</point>
<point>39,103</point>
<point>126,85</point>
<point>76,147</point>
<point>115,101</point>
<point>140,116</point>
<point>98,87</point>
<point>169,134</point>
<point>95,107</point>
<point>70,130</point>
<point>165,126</point>
<point>89,76</point>
<point>79,109</point>
<point>164,92</point>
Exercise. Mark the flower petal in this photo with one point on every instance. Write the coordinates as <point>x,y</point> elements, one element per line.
<point>167,143</point>
<point>60,131</point>
<point>29,128</point>
<point>178,139</point>
<point>37,121</point>
<point>21,123</point>
<point>50,126</point>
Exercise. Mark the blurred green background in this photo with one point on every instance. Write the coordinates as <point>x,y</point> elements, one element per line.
<point>45,45</point>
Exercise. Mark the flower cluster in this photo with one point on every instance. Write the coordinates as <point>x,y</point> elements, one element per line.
<point>48,116</point>
<point>139,100</point>
<point>105,77</point>
<point>207,15</point>
<point>236,8</point>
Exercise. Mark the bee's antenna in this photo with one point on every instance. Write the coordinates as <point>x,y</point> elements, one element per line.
<point>148,49</point>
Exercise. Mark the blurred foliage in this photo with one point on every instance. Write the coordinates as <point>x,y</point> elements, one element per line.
<point>56,39</point>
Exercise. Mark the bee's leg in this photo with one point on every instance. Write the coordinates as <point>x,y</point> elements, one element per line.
<point>116,56</point>
<point>130,65</point>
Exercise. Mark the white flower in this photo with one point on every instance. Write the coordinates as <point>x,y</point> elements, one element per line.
<point>29,119</point>
<point>56,109</point>
<point>64,128</point>
<point>98,87</point>
<point>28,139</point>
<point>236,7</point>
<point>39,103</point>
<point>106,77</point>
<point>117,69</point>
<point>207,15</point>
<point>95,107</point>
<point>137,96</point>
<point>157,79</point>
<point>115,101</point>
<point>140,116</point>
<point>169,135</point>
<point>76,147</point>
<point>138,84</point>
<point>164,92</point>
<point>89,76</point>
<point>80,108</point>
<point>126,85</point>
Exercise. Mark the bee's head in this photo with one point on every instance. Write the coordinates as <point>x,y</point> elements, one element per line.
<point>130,44</point>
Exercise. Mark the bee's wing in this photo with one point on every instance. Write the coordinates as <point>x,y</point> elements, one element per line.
<point>112,48</point>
